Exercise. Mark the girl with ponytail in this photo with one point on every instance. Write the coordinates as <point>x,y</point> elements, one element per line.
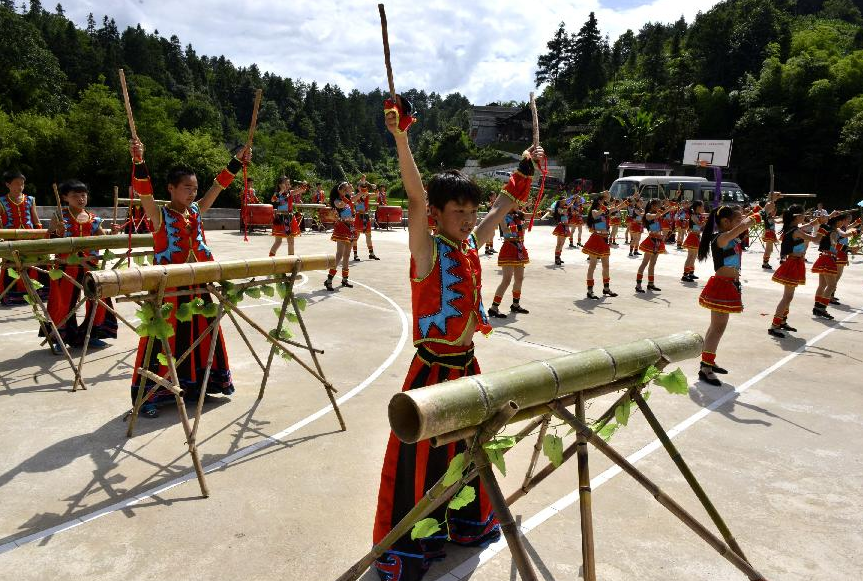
<point>652,246</point>
<point>721,294</point>
<point>833,244</point>
<point>695,221</point>
<point>597,247</point>
<point>341,197</point>
<point>792,271</point>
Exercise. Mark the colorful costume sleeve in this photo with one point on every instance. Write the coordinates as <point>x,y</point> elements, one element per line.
<point>518,187</point>
<point>141,183</point>
<point>226,177</point>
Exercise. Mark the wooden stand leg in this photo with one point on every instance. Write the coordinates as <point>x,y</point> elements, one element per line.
<point>584,499</point>
<point>145,363</point>
<point>90,321</point>
<point>289,291</point>
<point>537,448</point>
<point>657,492</point>
<point>687,474</point>
<point>214,334</point>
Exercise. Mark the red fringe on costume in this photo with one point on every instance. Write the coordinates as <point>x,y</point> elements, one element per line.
<point>826,264</point>
<point>597,245</point>
<point>842,258</point>
<point>720,294</point>
<point>652,244</point>
<point>792,272</point>
<point>512,254</point>
<point>562,231</point>
<point>343,232</point>
<point>770,236</point>
<point>693,239</point>
<point>280,228</point>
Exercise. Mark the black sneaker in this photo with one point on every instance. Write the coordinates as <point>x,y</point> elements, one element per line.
<point>518,309</point>
<point>638,289</point>
<point>346,282</point>
<point>787,327</point>
<point>571,245</point>
<point>686,278</point>
<point>834,301</point>
<point>328,284</point>
<point>766,266</point>
<point>373,257</point>
<point>592,296</point>
<point>356,258</point>
<point>775,333</point>
<point>705,374</point>
<point>493,312</point>
<point>719,370</point>
<point>822,313</point>
<point>607,292</point>
<point>653,287</point>
<point>558,262</point>
<point>636,253</point>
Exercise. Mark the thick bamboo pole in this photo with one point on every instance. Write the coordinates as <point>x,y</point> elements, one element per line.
<point>110,283</point>
<point>137,201</point>
<point>657,492</point>
<point>424,413</point>
<point>74,244</point>
<point>23,234</point>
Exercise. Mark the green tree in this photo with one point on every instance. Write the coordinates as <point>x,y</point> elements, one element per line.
<point>551,66</point>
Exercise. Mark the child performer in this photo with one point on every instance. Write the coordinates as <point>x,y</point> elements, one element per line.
<point>721,294</point>
<point>831,246</point>
<point>319,197</point>
<point>597,247</point>
<point>446,285</point>
<point>653,245</point>
<point>63,295</point>
<point>614,220</point>
<point>363,221</point>
<point>636,225</point>
<point>285,226</point>
<point>693,240</point>
<point>512,259</point>
<point>792,271</point>
<point>178,238</point>
<point>842,254</point>
<point>250,195</point>
<point>768,218</point>
<point>342,198</point>
<point>561,216</point>
<point>576,218</point>
<point>489,246</point>
<point>382,195</point>
<point>19,212</point>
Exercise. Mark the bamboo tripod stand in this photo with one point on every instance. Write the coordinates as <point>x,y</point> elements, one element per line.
<point>540,417</point>
<point>50,328</point>
<point>225,307</point>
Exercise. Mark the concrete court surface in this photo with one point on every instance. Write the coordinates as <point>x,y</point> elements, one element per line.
<point>292,497</point>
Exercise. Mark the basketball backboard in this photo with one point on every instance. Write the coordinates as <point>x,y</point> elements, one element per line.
<point>707,152</point>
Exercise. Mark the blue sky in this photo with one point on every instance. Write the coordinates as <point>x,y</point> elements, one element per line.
<point>485,49</point>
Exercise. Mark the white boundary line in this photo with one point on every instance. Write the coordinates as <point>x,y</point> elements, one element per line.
<point>242,453</point>
<point>467,568</point>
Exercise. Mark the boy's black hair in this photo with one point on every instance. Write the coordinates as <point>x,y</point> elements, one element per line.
<point>178,173</point>
<point>13,174</point>
<point>73,185</point>
<point>452,185</point>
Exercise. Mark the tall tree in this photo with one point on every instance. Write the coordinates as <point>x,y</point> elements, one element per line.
<point>552,65</point>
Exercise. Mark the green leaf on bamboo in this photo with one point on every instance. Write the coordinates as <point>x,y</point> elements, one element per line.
<point>552,447</point>
<point>675,382</point>
<point>210,310</point>
<point>464,497</point>
<point>198,305</point>
<point>184,313</point>
<point>161,328</point>
<point>108,255</point>
<point>227,287</point>
<point>29,300</point>
<point>649,374</point>
<point>166,309</point>
<point>13,273</point>
<point>292,316</point>
<point>301,304</point>
<point>622,412</point>
<point>286,356</point>
<point>55,274</point>
<point>608,431</point>
<point>282,289</point>
<point>162,359</point>
<point>278,311</point>
<point>500,443</point>
<point>268,290</point>
<point>455,470</point>
<point>73,260</point>
<point>495,456</point>
<point>425,528</point>
<point>254,292</point>
<point>37,285</point>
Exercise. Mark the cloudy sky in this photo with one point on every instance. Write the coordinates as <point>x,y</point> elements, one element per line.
<point>485,49</point>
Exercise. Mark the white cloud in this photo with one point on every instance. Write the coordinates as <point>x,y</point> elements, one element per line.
<point>486,50</point>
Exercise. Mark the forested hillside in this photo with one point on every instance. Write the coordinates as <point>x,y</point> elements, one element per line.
<point>783,79</point>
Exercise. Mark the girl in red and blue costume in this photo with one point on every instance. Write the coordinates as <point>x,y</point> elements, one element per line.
<point>363,220</point>
<point>17,211</point>
<point>768,219</point>
<point>833,245</point>
<point>842,253</point>
<point>576,217</point>
<point>512,259</point>
<point>561,213</point>
<point>792,272</point>
<point>722,293</point>
<point>597,247</point>
<point>63,296</point>
<point>342,200</point>
<point>695,221</point>
<point>446,293</point>
<point>653,246</point>
<point>285,226</point>
<point>178,238</point>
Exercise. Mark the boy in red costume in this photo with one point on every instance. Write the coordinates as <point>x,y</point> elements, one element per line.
<point>445,276</point>
<point>17,211</point>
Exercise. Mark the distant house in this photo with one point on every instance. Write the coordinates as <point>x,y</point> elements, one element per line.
<point>493,123</point>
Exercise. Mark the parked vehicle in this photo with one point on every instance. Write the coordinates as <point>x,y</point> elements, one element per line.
<point>732,193</point>
<point>650,186</point>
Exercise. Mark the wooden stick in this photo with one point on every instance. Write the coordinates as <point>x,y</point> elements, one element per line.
<point>128,105</point>
<point>289,291</point>
<point>535,117</point>
<point>116,204</point>
<point>254,124</point>
<point>772,182</point>
<point>386,38</point>
<point>59,202</point>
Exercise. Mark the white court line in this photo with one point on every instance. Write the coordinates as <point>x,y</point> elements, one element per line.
<point>501,335</point>
<point>466,569</point>
<point>242,453</point>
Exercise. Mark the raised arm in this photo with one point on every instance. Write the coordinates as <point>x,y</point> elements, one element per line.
<point>142,185</point>
<point>398,120</point>
<point>225,178</point>
<point>515,192</point>
<point>727,237</point>
<point>34,217</point>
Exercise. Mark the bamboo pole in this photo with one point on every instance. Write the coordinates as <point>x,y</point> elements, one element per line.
<point>535,118</point>
<point>214,337</point>
<point>109,283</point>
<point>116,204</point>
<point>423,413</point>
<point>584,498</point>
<point>386,40</point>
<point>137,202</point>
<point>656,492</point>
<point>145,363</point>
<point>279,326</point>
<point>128,105</point>
<point>58,201</point>
<point>23,234</point>
<point>681,464</point>
<point>537,448</point>
<point>254,123</point>
<point>72,245</point>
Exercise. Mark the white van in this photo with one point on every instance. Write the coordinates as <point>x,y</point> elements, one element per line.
<point>649,186</point>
